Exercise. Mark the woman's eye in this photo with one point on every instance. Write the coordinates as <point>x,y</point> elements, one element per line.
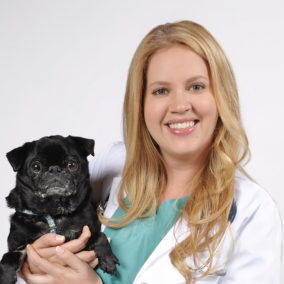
<point>36,167</point>
<point>197,87</point>
<point>160,92</point>
<point>72,166</point>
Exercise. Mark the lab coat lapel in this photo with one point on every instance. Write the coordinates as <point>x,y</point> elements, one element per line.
<point>176,234</point>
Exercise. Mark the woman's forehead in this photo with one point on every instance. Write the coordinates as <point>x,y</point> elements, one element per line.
<point>176,61</point>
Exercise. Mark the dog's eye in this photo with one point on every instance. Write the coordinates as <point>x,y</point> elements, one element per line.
<point>36,167</point>
<point>72,166</point>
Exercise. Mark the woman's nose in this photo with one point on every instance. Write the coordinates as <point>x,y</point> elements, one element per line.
<point>180,103</point>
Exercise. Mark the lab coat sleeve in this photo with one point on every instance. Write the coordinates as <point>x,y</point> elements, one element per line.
<point>258,251</point>
<point>106,165</point>
<point>20,280</point>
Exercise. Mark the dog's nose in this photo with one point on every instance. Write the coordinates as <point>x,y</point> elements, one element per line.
<point>54,169</point>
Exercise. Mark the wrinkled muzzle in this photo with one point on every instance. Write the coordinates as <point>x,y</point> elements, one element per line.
<point>56,183</point>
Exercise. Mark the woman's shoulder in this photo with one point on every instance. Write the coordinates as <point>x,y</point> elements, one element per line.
<point>110,160</point>
<point>253,201</point>
<point>250,192</point>
<point>257,230</point>
<point>104,167</point>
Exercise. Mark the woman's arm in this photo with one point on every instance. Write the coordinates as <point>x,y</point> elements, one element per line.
<point>258,251</point>
<point>106,165</point>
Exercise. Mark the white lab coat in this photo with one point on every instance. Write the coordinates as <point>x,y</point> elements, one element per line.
<point>256,229</point>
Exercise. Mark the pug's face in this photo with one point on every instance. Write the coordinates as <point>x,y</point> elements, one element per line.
<point>52,166</point>
<point>54,169</point>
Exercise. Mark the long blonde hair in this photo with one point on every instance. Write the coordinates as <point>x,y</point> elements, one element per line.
<point>144,174</point>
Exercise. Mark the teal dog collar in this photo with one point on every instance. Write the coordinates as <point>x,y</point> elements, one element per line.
<point>50,221</point>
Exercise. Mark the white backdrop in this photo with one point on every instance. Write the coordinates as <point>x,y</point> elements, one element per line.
<point>63,67</point>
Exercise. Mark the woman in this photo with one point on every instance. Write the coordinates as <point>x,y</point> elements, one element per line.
<point>182,208</point>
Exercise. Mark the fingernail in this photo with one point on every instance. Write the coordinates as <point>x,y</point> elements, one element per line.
<point>59,250</point>
<point>59,238</point>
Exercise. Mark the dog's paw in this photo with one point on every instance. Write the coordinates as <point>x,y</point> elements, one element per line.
<point>108,263</point>
<point>6,276</point>
<point>9,265</point>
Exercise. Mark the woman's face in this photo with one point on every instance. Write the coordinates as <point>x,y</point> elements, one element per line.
<point>179,109</point>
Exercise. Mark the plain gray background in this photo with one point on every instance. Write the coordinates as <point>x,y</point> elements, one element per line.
<point>63,68</point>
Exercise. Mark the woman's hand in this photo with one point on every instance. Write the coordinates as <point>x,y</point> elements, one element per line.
<point>45,247</point>
<point>73,270</point>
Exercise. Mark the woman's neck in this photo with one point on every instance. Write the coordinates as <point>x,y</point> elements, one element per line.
<point>179,174</point>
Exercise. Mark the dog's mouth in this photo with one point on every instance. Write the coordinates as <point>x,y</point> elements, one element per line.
<point>53,191</point>
<point>56,187</point>
<point>58,191</point>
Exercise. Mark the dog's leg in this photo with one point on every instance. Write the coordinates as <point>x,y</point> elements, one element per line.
<point>9,266</point>
<point>107,260</point>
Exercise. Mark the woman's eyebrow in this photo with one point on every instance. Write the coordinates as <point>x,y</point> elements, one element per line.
<point>158,83</point>
<point>189,80</point>
<point>198,77</point>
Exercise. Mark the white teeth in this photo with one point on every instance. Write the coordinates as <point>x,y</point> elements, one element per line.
<point>182,125</point>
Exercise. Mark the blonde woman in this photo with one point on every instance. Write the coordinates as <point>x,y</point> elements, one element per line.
<point>180,208</point>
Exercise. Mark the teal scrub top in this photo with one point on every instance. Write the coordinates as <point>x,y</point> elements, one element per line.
<point>134,243</point>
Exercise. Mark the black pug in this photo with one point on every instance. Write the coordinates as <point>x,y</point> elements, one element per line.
<point>52,195</point>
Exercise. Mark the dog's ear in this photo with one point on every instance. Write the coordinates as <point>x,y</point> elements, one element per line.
<point>14,199</point>
<point>85,146</point>
<point>17,156</point>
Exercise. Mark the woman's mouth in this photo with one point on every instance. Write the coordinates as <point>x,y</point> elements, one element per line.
<point>182,128</point>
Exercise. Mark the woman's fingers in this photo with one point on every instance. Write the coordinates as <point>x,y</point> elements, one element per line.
<point>86,256</point>
<point>70,259</point>
<point>94,263</point>
<point>64,255</point>
<point>74,271</point>
<point>80,243</point>
<point>48,240</point>
<point>45,247</point>
<point>41,263</point>
<point>34,278</point>
<point>46,243</point>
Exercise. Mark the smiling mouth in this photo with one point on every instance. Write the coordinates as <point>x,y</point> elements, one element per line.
<point>182,125</point>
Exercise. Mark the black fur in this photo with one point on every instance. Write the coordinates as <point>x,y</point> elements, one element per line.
<point>52,179</point>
